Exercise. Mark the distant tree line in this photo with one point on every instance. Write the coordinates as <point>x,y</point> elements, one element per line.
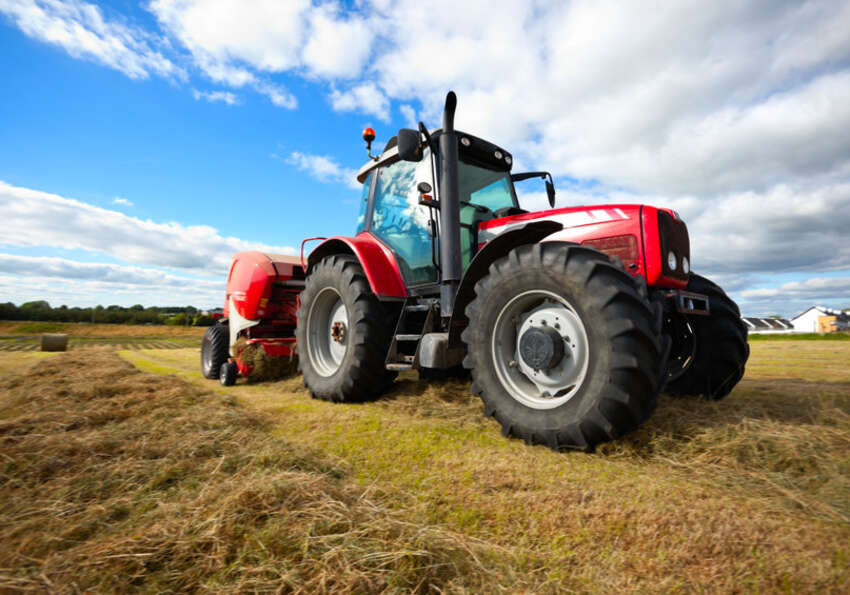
<point>138,314</point>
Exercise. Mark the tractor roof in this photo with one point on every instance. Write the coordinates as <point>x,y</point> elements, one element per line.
<point>478,152</point>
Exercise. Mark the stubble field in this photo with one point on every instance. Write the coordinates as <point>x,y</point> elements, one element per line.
<point>124,469</point>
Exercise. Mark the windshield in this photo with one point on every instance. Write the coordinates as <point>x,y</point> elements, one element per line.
<point>482,192</point>
<point>485,187</point>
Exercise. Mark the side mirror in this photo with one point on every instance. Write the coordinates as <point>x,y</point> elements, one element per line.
<point>409,146</point>
<point>544,175</point>
<point>550,192</point>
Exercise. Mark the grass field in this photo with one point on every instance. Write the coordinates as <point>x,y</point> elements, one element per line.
<point>129,470</point>
<point>26,336</point>
<point>98,331</point>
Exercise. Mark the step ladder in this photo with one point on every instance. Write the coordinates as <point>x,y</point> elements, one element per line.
<point>416,319</point>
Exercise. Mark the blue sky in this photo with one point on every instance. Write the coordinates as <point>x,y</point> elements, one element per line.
<point>142,143</point>
<point>77,129</point>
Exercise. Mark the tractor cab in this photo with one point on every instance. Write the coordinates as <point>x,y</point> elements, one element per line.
<point>400,202</point>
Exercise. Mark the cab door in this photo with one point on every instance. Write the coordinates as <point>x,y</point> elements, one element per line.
<point>400,222</point>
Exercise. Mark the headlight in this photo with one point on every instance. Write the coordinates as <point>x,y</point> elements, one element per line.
<point>674,248</point>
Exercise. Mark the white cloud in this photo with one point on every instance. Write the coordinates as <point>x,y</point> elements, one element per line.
<point>21,288</point>
<point>813,289</point>
<point>323,168</point>
<point>365,97</point>
<point>792,297</point>
<point>409,115</point>
<point>695,100</point>
<point>735,114</point>
<point>213,96</point>
<point>786,228</point>
<point>266,34</point>
<point>122,201</point>
<point>277,94</point>
<point>34,218</point>
<point>793,133</point>
<point>228,39</point>
<point>123,275</point>
<point>336,48</point>
<point>81,30</point>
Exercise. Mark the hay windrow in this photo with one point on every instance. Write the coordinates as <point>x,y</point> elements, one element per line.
<point>116,480</point>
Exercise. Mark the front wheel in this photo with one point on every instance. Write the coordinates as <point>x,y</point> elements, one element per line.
<point>562,346</point>
<point>718,346</point>
<point>343,333</point>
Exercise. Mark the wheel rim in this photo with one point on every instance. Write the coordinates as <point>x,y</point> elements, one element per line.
<point>544,387</point>
<point>327,332</point>
<point>681,359</point>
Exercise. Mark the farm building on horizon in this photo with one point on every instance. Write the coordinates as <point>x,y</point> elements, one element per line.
<point>768,325</point>
<point>816,319</point>
<point>820,319</point>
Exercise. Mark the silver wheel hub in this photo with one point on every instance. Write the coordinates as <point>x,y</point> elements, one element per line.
<point>540,349</point>
<point>327,331</point>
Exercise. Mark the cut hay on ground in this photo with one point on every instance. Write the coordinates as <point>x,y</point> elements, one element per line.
<point>115,480</point>
<point>416,488</point>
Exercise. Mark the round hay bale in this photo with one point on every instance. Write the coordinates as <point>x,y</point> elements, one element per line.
<point>54,342</point>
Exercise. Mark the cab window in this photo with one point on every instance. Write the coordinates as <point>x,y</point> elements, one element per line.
<point>364,203</point>
<point>482,192</point>
<point>401,222</point>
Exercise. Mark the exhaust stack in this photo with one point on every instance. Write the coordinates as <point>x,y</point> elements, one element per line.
<point>449,210</point>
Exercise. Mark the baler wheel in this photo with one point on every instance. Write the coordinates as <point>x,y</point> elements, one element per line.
<point>563,346</point>
<point>343,333</point>
<point>721,349</point>
<point>228,373</point>
<point>215,349</point>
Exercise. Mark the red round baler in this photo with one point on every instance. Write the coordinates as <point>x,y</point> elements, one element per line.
<point>260,304</point>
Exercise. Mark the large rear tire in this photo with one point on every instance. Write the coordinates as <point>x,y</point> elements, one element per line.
<point>215,349</point>
<point>721,349</point>
<point>562,346</point>
<point>343,333</point>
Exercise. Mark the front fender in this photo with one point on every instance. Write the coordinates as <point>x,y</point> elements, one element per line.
<point>377,261</point>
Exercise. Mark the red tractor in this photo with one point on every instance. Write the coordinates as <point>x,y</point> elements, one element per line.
<point>570,320</point>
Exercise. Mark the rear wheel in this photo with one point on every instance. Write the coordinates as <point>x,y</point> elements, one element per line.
<point>719,348</point>
<point>562,346</point>
<point>342,334</point>
<point>215,349</point>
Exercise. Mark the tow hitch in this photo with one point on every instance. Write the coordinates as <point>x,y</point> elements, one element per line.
<point>687,302</point>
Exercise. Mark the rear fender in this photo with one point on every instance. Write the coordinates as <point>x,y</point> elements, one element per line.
<point>528,233</point>
<point>377,261</point>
